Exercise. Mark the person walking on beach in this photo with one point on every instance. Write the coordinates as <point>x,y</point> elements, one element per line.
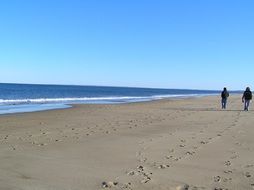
<point>224,97</point>
<point>247,96</point>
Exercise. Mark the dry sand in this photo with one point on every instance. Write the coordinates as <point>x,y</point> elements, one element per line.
<point>160,145</point>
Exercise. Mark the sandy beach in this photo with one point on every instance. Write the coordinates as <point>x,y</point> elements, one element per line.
<point>159,145</point>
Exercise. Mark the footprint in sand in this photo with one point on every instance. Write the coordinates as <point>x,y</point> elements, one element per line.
<point>108,184</point>
<point>177,159</point>
<point>168,157</point>
<point>226,179</point>
<point>42,144</point>
<point>183,187</point>
<point>247,174</point>
<point>131,173</point>
<point>13,148</point>
<point>227,163</point>
<point>146,175</point>
<point>217,179</point>
<point>204,142</point>
<point>190,153</point>
<point>145,180</point>
<point>228,172</point>
<point>163,166</point>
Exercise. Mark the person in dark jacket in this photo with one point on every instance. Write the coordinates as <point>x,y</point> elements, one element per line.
<point>247,96</point>
<point>224,97</point>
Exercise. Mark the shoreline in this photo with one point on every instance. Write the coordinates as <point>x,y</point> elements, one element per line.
<point>30,108</point>
<point>139,146</point>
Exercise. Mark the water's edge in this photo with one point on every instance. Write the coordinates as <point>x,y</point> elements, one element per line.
<point>28,108</point>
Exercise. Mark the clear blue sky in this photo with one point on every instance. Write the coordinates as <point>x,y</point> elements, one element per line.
<point>198,44</point>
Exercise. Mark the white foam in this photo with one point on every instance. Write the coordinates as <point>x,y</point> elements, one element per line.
<point>92,99</point>
<point>39,104</point>
<point>8,109</point>
<point>46,100</point>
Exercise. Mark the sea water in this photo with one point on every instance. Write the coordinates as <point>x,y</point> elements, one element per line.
<point>16,98</point>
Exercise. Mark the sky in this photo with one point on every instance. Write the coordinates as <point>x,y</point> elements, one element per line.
<point>191,44</point>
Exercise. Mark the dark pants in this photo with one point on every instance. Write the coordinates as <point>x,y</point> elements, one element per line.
<point>224,103</point>
<point>246,105</point>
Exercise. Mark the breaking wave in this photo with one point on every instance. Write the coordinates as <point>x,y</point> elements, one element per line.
<point>91,99</point>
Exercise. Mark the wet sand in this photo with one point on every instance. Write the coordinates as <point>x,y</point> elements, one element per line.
<point>159,145</point>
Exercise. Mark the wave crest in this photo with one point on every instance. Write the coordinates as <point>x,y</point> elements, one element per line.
<point>89,99</point>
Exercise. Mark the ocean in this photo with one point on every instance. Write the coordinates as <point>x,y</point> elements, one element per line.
<point>18,98</point>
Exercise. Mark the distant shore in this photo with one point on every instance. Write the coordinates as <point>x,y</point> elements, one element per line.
<point>165,144</point>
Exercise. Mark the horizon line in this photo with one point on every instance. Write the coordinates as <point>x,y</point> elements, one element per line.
<point>110,86</point>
